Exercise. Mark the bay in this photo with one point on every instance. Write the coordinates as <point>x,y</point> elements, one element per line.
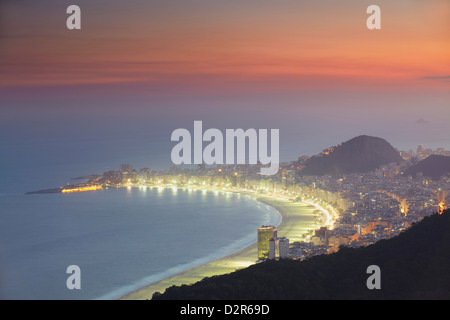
<point>122,239</point>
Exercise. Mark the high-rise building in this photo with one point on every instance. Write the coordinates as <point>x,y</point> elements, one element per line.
<point>287,179</point>
<point>265,233</point>
<point>278,248</point>
<point>273,248</point>
<point>126,168</point>
<point>283,248</point>
<point>145,174</point>
<point>127,173</point>
<point>420,149</point>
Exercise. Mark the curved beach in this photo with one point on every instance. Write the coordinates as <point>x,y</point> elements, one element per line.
<point>297,220</point>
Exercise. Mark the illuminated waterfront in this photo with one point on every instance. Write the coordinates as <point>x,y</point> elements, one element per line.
<point>121,238</point>
<point>298,220</point>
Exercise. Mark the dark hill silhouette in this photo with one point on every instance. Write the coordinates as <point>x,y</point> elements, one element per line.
<point>358,155</point>
<point>435,166</point>
<point>414,265</point>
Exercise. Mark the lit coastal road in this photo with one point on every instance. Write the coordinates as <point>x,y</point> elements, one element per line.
<point>298,220</point>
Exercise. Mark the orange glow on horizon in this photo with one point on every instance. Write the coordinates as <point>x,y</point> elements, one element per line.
<point>293,45</point>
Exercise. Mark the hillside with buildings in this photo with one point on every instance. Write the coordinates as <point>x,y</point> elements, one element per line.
<point>434,167</point>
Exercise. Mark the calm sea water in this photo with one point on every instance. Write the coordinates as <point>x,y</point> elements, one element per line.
<point>121,239</point>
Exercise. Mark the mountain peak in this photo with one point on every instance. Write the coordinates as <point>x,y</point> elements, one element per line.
<point>360,154</point>
<point>435,166</point>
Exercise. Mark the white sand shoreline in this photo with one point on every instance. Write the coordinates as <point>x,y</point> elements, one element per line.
<point>290,225</point>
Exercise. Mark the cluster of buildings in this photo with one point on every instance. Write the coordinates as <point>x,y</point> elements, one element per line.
<point>423,153</point>
<point>373,206</point>
<point>370,207</point>
<point>270,246</point>
<point>126,175</point>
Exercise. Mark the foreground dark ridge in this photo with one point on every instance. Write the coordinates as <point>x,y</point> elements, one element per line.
<point>414,265</point>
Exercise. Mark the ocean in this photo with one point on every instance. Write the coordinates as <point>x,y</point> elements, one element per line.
<point>121,239</point>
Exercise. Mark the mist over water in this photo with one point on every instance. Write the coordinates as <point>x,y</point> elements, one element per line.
<point>88,135</point>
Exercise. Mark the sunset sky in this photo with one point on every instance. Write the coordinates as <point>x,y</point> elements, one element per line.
<point>310,68</point>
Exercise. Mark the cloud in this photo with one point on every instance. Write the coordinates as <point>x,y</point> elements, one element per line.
<point>435,78</point>
<point>422,121</point>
